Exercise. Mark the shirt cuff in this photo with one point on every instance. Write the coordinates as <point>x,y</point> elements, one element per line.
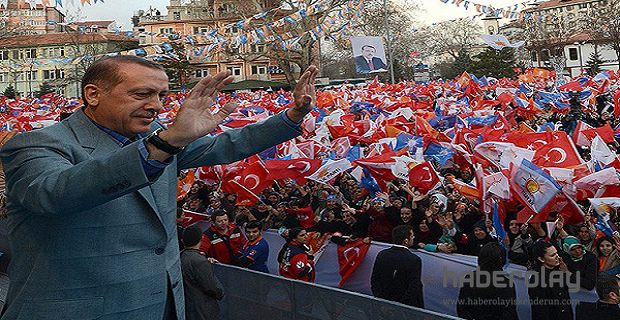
<point>151,167</point>
<point>289,122</point>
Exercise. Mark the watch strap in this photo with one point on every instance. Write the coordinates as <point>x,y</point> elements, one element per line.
<point>162,145</point>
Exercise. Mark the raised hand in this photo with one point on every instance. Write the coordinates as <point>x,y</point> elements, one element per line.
<point>304,95</point>
<point>195,119</point>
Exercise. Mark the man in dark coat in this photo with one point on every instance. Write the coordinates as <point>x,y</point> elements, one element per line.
<point>608,290</point>
<point>367,62</point>
<point>202,289</point>
<point>487,293</point>
<point>396,275</point>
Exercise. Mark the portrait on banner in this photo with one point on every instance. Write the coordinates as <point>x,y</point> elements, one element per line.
<point>369,54</point>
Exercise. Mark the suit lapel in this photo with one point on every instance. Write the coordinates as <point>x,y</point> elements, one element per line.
<point>99,144</point>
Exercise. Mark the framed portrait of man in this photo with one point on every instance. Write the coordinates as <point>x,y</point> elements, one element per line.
<point>369,54</point>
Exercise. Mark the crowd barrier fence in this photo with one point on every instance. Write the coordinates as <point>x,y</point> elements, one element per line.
<point>440,292</point>
<point>254,295</point>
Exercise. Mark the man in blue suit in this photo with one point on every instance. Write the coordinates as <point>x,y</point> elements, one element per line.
<point>91,200</point>
<point>367,62</point>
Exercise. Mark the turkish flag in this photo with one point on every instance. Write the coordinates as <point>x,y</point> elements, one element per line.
<point>530,141</point>
<point>245,197</point>
<point>341,146</point>
<point>255,178</point>
<point>568,209</point>
<point>617,104</point>
<point>380,166</point>
<point>296,169</point>
<point>190,217</point>
<point>424,177</point>
<point>350,256</point>
<point>606,133</point>
<point>466,138</point>
<point>210,174</point>
<point>559,152</point>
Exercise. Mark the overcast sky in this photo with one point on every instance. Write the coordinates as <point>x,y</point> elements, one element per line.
<point>122,10</point>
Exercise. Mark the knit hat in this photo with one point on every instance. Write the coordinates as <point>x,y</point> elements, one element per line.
<point>570,242</point>
<point>192,236</point>
<point>481,224</point>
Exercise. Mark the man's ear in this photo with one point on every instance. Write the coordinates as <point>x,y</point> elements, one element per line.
<point>92,94</point>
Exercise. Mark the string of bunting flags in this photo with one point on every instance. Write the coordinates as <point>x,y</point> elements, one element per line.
<point>508,12</point>
<point>335,25</point>
<point>46,3</point>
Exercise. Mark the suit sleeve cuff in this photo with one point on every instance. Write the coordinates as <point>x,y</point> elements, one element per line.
<point>152,168</point>
<point>289,122</point>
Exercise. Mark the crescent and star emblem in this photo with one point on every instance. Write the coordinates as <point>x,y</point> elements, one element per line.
<point>252,177</point>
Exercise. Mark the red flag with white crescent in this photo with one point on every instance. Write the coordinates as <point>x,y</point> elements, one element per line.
<point>350,256</point>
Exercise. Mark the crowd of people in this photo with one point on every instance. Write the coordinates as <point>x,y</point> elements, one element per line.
<point>446,219</point>
<point>462,145</point>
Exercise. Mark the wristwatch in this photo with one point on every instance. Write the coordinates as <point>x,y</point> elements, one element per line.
<point>162,145</point>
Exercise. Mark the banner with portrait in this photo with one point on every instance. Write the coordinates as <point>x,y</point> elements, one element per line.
<point>369,55</point>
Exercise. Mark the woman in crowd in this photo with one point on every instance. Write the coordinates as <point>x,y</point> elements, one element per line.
<point>549,300</point>
<point>608,252</point>
<point>479,237</point>
<point>518,241</point>
<point>296,259</point>
<point>480,298</point>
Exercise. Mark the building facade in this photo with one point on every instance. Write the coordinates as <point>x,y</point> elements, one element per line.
<point>38,48</point>
<point>246,62</point>
<point>19,19</point>
<point>29,62</point>
<point>560,35</point>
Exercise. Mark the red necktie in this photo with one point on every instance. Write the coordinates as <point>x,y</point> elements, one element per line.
<point>370,65</point>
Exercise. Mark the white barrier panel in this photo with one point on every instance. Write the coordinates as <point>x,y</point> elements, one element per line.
<point>440,294</point>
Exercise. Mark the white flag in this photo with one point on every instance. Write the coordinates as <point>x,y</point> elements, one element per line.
<point>330,170</point>
<point>402,166</point>
<point>601,152</point>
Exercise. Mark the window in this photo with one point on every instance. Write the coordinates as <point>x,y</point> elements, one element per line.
<point>166,30</point>
<point>176,16</point>
<point>53,74</point>
<point>544,55</point>
<point>31,75</point>
<point>259,69</point>
<point>4,55</point>
<point>534,56</point>
<point>201,73</point>
<point>572,54</point>
<point>236,71</point>
<point>31,53</point>
<point>257,48</point>
<point>56,52</point>
<point>203,30</point>
<point>24,54</point>
<point>4,77</point>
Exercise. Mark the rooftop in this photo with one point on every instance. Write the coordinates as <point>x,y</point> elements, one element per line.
<point>61,38</point>
<point>560,3</point>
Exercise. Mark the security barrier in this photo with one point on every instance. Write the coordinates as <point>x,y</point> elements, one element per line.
<point>255,295</point>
